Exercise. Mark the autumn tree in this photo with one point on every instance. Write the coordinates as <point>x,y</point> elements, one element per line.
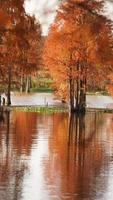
<point>19,42</point>
<point>15,12</point>
<point>31,57</point>
<point>78,48</point>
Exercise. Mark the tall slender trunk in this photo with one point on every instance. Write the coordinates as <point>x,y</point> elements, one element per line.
<point>83,89</point>
<point>30,82</point>
<point>85,83</point>
<point>27,85</point>
<point>77,88</point>
<point>22,84</point>
<point>9,87</point>
<point>72,94</point>
<point>82,103</point>
<point>71,89</point>
<point>0,100</point>
<point>80,88</point>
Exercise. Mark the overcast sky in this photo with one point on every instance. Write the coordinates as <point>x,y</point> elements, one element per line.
<point>44,10</point>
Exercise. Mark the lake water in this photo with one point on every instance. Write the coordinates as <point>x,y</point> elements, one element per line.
<point>93,101</point>
<point>56,157</point>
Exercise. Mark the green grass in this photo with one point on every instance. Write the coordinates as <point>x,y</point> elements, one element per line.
<point>51,109</point>
<point>103,110</point>
<point>41,90</point>
<point>40,109</point>
<point>105,93</point>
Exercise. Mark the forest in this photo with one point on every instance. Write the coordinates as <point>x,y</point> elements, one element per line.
<point>76,55</point>
<point>56,100</point>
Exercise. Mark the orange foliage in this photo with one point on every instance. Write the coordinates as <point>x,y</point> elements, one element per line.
<point>4,20</point>
<point>20,41</point>
<point>78,44</point>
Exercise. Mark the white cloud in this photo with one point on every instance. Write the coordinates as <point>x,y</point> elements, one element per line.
<point>109,9</point>
<point>44,11</point>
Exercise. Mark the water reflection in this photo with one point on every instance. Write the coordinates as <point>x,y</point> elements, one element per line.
<point>13,140</point>
<point>83,127</point>
<point>55,156</point>
<point>86,156</point>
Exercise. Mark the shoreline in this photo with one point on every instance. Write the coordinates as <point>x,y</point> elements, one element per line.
<point>49,108</point>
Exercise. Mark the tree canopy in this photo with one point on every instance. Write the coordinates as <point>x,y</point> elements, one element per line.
<point>78,48</point>
<point>20,42</point>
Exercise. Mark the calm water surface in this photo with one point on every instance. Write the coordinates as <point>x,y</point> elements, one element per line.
<point>93,101</point>
<point>44,157</point>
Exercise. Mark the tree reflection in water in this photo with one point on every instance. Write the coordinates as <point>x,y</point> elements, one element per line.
<point>86,156</point>
<point>13,164</point>
<point>38,155</point>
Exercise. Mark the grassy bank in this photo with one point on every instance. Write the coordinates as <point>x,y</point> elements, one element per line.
<point>51,109</point>
<point>41,90</point>
<point>40,109</point>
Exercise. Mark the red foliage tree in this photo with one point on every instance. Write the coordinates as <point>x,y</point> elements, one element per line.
<point>78,48</point>
<point>20,43</point>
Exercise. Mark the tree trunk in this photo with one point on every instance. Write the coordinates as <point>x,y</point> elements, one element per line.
<point>0,100</point>
<point>82,103</point>
<point>22,84</point>
<point>9,87</point>
<point>72,94</point>
<point>85,82</point>
<point>27,85</point>
<point>77,97</point>
<point>80,89</point>
<point>83,90</point>
<point>30,82</point>
<point>71,89</point>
